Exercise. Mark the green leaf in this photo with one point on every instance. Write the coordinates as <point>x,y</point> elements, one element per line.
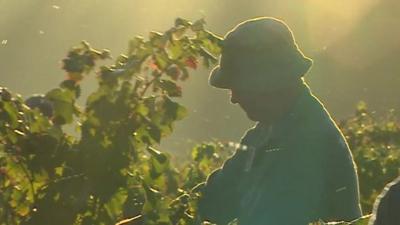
<point>5,94</point>
<point>159,156</point>
<point>185,73</point>
<point>182,22</point>
<point>211,42</point>
<point>158,40</point>
<point>96,96</point>
<point>208,58</point>
<point>113,207</point>
<point>173,72</point>
<point>177,111</point>
<point>11,114</point>
<point>134,44</point>
<point>198,25</point>
<point>175,50</point>
<point>63,102</point>
<point>142,109</point>
<point>172,89</point>
<point>179,31</point>
<point>362,106</point>
<point>152,196</point>
<point>204,151</point>
<point>155,132</point>
<point>161,59</point>
<point>71,85</point>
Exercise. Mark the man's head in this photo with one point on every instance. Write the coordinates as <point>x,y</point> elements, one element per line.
<point>262,66</point>
<point>266,106</point>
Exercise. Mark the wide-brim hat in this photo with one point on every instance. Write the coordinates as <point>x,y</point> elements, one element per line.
<point>259,54</point>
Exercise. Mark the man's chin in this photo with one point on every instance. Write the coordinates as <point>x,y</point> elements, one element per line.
<point>252,117</point>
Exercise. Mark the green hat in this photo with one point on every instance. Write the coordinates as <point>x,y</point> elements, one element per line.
<point>259,54</point>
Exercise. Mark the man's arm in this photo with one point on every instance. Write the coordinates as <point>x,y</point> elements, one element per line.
<point>218,203</point>
<point>343,201</point>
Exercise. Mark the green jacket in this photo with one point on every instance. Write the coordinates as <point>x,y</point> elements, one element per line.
<point>297,171</point>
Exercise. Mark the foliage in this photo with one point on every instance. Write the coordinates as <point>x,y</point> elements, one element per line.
<point>375,143</point>
<point>111,171</point>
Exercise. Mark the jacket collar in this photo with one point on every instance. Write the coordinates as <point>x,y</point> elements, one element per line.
<point>298,111</point>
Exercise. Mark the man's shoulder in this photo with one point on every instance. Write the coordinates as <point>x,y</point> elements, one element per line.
<point>314,130</point>
<point>393,188</point>
<point>316,120</point>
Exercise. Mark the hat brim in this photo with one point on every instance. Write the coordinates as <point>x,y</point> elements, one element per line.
<point>262,79</point>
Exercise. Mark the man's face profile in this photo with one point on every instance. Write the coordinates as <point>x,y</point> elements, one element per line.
<point>257,105</point>
<point>265,105</point>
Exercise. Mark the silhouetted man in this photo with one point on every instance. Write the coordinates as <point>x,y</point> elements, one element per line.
<point>387,206</point>
<point>295,166</point>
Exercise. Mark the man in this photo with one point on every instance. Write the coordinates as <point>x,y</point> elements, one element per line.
<point>387,206</point>
<point>296,166</point>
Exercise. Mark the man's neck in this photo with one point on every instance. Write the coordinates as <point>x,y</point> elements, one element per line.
<point>284,104</point>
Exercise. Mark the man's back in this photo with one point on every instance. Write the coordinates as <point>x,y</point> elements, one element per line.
<point>301,171</point>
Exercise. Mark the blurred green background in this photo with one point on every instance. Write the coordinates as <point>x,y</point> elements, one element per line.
<point>355,45</point>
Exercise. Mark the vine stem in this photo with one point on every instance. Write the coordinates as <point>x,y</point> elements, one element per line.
<point>131,221</point>
<point>31,179</point>
<point>148,84</point>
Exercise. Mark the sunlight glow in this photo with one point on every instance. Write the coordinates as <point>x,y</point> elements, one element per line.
<point>333,19</point>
